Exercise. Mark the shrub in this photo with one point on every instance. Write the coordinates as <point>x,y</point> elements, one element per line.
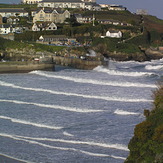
<point>143,131</point>
<point>158,134</point>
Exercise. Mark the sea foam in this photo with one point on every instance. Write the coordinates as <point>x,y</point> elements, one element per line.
<point>152,67</point>
<point>60,148</point>
<point>75,94</point>
<point>120,73</point>
<point>72,109</point>
<point>122,112</point>
<point>91,143</point>
<point>30,123</point>
<point>96,82</point>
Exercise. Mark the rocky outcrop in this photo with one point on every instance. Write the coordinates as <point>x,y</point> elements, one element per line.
<point>154,54</point>
<point>127,57</point>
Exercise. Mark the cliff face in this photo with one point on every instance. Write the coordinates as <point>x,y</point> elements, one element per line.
<point>146,146</point>
<point>127,57</point>
<point>144,55</point>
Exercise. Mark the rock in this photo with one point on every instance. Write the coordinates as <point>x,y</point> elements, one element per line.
<point>153,54</point>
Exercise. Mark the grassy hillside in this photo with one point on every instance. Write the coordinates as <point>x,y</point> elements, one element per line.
<point>152,23</point>
<point>20,45</point>
<point>147,144</point>
<point>123,16</point>
<point>17,5</point>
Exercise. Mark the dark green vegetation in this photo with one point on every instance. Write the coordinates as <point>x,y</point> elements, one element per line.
<point>8,44</point>
<point>147,144</point>
<point>145,31</point>
<point>25,6</point>
<point>137,31</point>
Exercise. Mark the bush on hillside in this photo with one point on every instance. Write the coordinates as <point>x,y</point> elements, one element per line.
<point>147,144</point>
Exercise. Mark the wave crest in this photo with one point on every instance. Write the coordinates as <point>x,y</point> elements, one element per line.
<point>115,72</point>
<point>152,67</point>
<point>122,112</point>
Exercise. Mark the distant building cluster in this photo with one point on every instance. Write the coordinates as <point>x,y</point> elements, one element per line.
<point>50,13</point>
<point>113,7</point>
<point>30,1</point>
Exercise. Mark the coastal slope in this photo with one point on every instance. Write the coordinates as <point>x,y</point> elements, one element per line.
<point>146,146</point>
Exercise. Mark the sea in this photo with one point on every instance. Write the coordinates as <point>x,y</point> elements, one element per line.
<point>75,116</point>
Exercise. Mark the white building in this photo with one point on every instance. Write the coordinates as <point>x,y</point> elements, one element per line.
<point>116,7</point>
<point>31,1</point>
<point>62,4</point>
<point>49,14</point>
<point>7,12</point>
<point>114,34</point>
<point>7,28</point>
<point>37,1</point>
<point>44,26</point>
<point>85,4</point>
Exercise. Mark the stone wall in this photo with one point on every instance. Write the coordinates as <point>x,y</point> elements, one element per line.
<point>76,62</point>
<point>24,67</point>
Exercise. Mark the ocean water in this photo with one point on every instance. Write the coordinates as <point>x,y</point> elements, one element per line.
<point>75,116</point>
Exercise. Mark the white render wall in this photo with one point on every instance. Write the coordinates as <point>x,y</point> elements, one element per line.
<point>8,14</point>
<point>61,5</point>
<point>31,1</point>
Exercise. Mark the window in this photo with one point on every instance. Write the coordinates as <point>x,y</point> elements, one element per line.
<point>67,16</point>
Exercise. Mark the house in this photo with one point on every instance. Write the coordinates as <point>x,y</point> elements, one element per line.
<point>78,18</point>
<point>8,12</point>
<point>56,39</point>
<point>84,4</point>
<point>114,34</point>
<point>13,20</point>
<point>44,26</point>
<point>108,21</point>
<point>62,4</point>
<point>104,5</point>
<point>88,19</point>
<point>92,6</point>
<point>62,15</point>
<point>96,7</point>
<point>49,14</point>
<point>7,28</point>
<point>31,1</point>
<point>116,7</point>
<point>1,19</point>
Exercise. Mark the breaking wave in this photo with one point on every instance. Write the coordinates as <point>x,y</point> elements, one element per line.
<point>71,94</point>
<point>151,67</point>
<point>17,159</point>
<point>67,134</point>
<point>122,112</point>
<point>114,146</point>
<point>19,138</point>
<point>30,123</point>
<point>90,81</point>
<point>73,109</point>
<point>115,72</point>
